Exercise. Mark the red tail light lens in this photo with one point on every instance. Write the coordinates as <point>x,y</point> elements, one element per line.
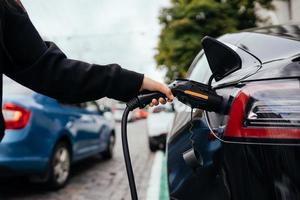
<point>15,117</point>
<point>266,111</point>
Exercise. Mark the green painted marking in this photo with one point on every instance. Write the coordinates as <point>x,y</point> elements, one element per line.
<point>163,194</point>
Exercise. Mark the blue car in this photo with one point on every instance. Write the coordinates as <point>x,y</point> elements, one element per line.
<point>43,137</point>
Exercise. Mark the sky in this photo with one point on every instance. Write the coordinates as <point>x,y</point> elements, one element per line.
<point>102,31</point>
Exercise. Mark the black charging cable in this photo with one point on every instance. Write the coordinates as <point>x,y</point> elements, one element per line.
<point>138,102</point>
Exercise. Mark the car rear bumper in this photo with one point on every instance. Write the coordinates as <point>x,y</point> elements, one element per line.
<point>22,166</point>
<point>19,155</point>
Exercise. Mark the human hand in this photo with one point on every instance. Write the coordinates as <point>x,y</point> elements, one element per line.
<point>151,85</point>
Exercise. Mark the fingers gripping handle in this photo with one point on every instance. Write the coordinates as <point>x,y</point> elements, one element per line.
<point>145,99</point>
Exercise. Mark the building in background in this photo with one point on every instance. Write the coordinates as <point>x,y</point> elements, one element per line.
<point>287,10</point>
<point>284,11</point>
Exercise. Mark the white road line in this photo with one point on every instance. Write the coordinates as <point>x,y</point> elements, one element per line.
<point>153,191</point>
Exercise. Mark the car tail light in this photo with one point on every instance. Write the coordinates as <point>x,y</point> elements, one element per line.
<point>278,113</point>
<point>267,111</point>
<point>15,117</point>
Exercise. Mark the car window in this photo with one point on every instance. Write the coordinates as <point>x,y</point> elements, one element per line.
<point>201,71</point>
<point>10,87</point>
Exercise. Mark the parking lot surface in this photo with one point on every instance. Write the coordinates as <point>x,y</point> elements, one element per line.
<point>94,178</point>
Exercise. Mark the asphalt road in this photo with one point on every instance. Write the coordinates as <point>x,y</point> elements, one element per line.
<point>94,178</point>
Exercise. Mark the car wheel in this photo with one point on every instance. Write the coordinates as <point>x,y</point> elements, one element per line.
<point>153,146</point>
<point>59,167</point>
<point>109,151</point>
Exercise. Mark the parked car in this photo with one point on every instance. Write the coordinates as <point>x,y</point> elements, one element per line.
<point>107,113</point>
<point>251,150</point>
<point>118,110</point>
<point>140,114</point>
<point>43,137</point>
<point>158,125</point>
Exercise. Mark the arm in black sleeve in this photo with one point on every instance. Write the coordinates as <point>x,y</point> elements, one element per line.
<point>44,68</point>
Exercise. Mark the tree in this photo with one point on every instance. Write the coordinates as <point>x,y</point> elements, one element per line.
<point>186,22</point>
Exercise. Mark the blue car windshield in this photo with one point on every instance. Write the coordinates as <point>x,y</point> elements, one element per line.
<point>10,87</point>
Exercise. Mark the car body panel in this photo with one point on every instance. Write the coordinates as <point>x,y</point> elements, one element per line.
<point>194,182</point>
<point>267,43</point>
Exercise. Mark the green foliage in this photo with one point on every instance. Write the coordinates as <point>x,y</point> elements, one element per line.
<point>186,22</point>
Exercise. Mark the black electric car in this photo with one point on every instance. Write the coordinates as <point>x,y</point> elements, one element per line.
<point>249,150</point>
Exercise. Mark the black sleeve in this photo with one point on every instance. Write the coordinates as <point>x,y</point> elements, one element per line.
<point>43,67</point>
